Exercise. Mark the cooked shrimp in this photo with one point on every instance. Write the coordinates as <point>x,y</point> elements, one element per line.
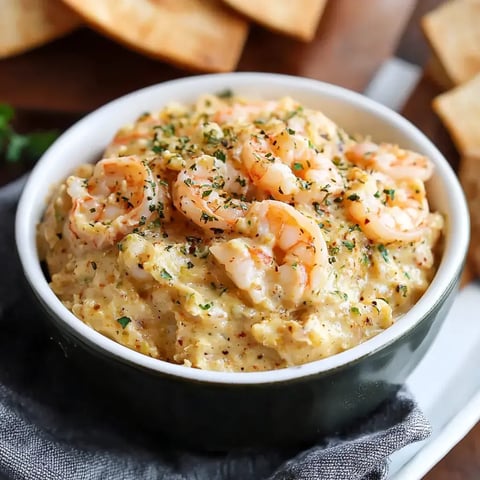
<point>199,193</point>
<point>119,196</point>
<point>391,160</point>
<point>239,112</point>
<point>285,252</point>
<point>289,168</point>
<point>387,214</point>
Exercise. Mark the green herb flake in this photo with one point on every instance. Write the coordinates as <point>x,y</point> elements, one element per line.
<point>317,208</point>
<point>383,250</point>
<point>205,306</point>
<point>297,166</point>
<point>241,181</point>
<point>354,197</point>
<point>205,218</point>
<point>355,310</point>
<point>390,192</point>
<point>168,130</point>
<point>219,155</point>
<point>349,245</point>
<point>124,321</point>
<point>403,289</point>
<point>165,275</point>
<point>227,93</point>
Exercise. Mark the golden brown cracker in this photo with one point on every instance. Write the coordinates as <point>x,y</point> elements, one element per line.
<point>454,34</point>
<point>298,18</point>
<point>25,24</point>
<point>459,110</point>
<point>197,34</point>
<point>469,174</point>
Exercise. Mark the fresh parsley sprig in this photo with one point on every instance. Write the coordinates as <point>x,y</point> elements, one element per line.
<point>16,147</point>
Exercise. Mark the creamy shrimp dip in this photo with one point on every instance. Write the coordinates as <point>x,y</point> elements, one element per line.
<point>241,235</point>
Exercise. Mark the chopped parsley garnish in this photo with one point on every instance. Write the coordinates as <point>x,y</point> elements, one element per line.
<point>227,93</point>
<point>168,130</point>
<point>317,208</point>
<point>205,306</point>
<point>354,197</point>
<point>366,259</point>
<point>403,289</point>
<point>219,155</point>
<point>382,249</point>
<point>124,321</point>
<point>165,275</point>
<point>349,245</point>
<point>333,250</point>
<point>211,137</point>
<point>205,217</point>
<point>291,131</point>
<point>355,310</point>
<point>390,192</point>
<point>297,166</point>
<point>241,181</point>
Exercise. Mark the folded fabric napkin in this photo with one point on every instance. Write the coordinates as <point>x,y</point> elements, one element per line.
<point>53,425</point>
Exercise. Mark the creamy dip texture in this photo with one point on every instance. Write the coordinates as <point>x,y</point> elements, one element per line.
<point>241,235</point>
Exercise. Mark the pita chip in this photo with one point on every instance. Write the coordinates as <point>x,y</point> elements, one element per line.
<point>26,24</point>
<point>297,18</point>
<point>197,34</point>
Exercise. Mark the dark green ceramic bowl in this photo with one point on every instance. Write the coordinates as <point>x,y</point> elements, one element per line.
<point>295,405</point>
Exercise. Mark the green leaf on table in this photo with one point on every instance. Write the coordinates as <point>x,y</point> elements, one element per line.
<point>38,142</point>
<point>6,115</point>
<point>15,147</point>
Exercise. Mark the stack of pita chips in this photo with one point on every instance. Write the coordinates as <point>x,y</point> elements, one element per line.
<point>201,35</point>
<point>453,31</point>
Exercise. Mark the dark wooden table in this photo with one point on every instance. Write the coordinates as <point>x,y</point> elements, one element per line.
<point>57,84</point>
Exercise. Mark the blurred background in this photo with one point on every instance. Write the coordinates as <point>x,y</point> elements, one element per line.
<point>60,59</point>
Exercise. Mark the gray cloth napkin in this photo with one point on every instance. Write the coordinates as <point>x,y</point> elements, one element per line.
<point>54,426</point>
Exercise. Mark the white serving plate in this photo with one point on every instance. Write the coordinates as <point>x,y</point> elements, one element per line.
<point>446,385</point>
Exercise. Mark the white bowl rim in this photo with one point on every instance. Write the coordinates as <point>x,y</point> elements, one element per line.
<point>449,268</point>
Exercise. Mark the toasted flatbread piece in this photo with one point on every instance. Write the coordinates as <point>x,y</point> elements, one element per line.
<point>197,34</point>
<point>25,24</point>
<point>454,34</point>
<point>469,174</point>
<point>298,18</point>
<point>459,110</point>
